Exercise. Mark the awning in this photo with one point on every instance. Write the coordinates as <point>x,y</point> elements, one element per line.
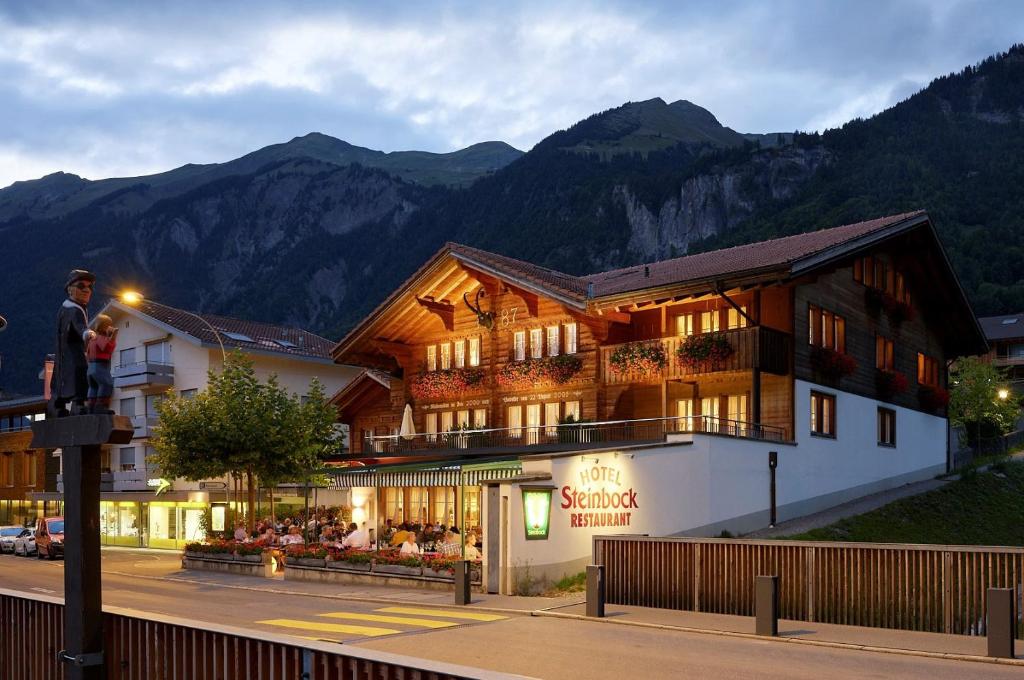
<point>426,476</point>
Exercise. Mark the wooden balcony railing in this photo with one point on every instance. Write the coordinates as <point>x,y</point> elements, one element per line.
<point>755,347</point>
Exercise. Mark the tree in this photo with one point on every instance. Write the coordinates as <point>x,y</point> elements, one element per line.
<point>974,399</point>
<point>241,426</point>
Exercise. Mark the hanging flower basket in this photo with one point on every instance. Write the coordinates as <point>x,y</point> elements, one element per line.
<point>831,364</point>
<point>643,358</point>
<point>890,383</point>
<point>445,384</point>
<point>897,310</point>
<point>932,398</point>
<point>705,350</point>
<point>538,372</point>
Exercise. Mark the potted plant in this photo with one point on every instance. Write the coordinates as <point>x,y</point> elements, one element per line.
<point>830,364</point>
<point>218,550</point>
<point>897,310</point>
<point>440,567</point>
<point>537,372</point>
<point>932,398</point>
<point>707,351</point>
<point>643,358</point>
<point>194,550</point>
<point>249,552</point>
<point>444,383</point>
<point>350,560</point>
<point>890,383</point>
<point>315,556</point>
<point>393,562</point>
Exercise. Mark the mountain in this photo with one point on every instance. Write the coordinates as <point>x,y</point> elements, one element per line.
<point>315,232</point>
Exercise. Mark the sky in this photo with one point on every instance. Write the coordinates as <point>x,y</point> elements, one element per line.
<point>106,89</point>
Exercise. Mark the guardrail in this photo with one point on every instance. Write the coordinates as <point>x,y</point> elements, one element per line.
<point>938,589</point>
<point>570,435</point>
<point>148,646</point>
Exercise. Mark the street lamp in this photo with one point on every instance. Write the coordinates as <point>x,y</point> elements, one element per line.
<point>133,297</point>
<point>1003,394</point>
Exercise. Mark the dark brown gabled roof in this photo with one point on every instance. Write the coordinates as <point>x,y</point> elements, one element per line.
<point>1006,327</point>
<point>553,281</point>
<point>250,336</point>
<point>753,257</point>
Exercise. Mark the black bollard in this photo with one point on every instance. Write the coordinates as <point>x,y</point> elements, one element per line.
<point>1000,620</point>
<point>462,589</point>
<point>595,590</point>
<point>766,605</point>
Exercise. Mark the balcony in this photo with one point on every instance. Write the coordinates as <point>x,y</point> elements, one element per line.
<point>566,437</point>
<point>756,347</point>
<point>144,426</point>
<point>143,374</point>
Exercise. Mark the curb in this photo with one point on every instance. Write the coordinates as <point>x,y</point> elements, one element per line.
<point>948,656</point>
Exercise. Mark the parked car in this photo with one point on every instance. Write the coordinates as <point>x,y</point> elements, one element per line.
<point>7,536</point>
<point>25,543</point>
<point>49,535</point>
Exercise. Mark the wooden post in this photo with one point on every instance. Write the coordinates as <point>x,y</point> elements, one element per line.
<point>81,439</point>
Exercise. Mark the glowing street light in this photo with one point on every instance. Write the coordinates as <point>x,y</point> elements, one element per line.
<point>1003,394</point>
<point>133,297</point>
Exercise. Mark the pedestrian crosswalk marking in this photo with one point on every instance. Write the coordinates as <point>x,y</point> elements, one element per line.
<point>378,618</point>
<point>443,613</point>
<point>368,631</point>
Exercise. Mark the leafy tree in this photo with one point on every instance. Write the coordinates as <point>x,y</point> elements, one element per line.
<point>974,398</point>
<point>244,427</point>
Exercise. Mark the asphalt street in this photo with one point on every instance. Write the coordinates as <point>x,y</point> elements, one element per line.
<point>534,646</point>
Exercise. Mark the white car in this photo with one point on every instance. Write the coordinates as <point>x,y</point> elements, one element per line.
<point>7,536</point>
<point>25,543</point>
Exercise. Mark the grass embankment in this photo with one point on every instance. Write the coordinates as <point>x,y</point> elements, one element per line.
<point>982,508</point>
<point>568,585</point>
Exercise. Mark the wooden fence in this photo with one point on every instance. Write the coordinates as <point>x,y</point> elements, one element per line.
<point>910,587</point>
<point>146,646</point>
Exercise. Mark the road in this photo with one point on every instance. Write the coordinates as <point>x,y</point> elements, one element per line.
<point>534,646</point>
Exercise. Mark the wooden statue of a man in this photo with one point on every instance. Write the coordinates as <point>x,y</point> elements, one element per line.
<point>69,382</point>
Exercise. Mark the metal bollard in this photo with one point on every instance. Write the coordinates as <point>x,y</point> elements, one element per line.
<point>766,605</point>
<point>1001,619</point>
<point>462,589</point>
<point>595,590</point>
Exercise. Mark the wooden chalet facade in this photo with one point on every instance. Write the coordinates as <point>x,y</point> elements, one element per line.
<point>714,342</point>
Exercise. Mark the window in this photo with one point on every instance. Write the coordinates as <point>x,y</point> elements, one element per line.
<point>189,394</point>
<point>532,422</point>
<point>684,412</point>
<point>823,414</point>
<point>446,356</point>
<point>519,345</point>
<point>570,338</point>
<point>684,325</point>
<point>885,353</point>
<point>551,415</point>
<point>460,354</point>
<point>444,505</point>
<point>536,343</point>
<point>432,358</point>
<point>30,469</point>
<point>159,352</point>
<point>151,402</point>
<point>480,418</point>
<point>431,426</point>
<point>709,407</point>
<point>127,357</point>
<point>825,329</point>
<point>886,427</point>
<point>128,407</point>
<point>553,341</point>
<point>462,419</point>
<point>446,421</point>
<point>737,405</point>
<point>737,320</point>
<point>7,470</point>
<point>515,420</point>
<point>927,370</point>
<point>874,273</point>
<point>709,322</point>
<point>572,410</point>
<point>419,500</point>
<point>474,351</point>
<point>240,337</point>
<point>393,504</point>
<point>127,458</point>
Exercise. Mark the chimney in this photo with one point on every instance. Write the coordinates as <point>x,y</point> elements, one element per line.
<point>647,272</point>
<point>47,375</point>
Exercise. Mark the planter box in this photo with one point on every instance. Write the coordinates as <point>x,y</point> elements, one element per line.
<point>217,556</point>
<point>304,562</point>
<point>191,554</point>
<point>397,569</point>
<point>255,559</point>
<point>349,566</point>
<point>444,575</point>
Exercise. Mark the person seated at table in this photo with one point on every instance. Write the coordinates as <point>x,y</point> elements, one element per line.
<point>269,536</point>
<point>472,553</point>
<point>293,537</point>
<point>409,547</point>
<point>240,533</point>
<point>356,538</point>
<point>328,537</point>
<point>450,547</point>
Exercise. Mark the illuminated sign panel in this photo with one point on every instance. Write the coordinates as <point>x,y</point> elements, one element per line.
<point>537,511</point>
<point>600,500</point>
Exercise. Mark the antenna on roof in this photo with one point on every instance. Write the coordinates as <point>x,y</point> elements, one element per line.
<point>590,289</point>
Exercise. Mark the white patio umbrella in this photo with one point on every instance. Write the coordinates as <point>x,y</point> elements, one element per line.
<point>408,430</point>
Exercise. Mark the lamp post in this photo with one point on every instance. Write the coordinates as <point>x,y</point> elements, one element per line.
<point>132,298</point>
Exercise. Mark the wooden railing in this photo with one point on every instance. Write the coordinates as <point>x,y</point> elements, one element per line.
<point>755,347</point>
<point>147,646</point>
<point>909,587</point>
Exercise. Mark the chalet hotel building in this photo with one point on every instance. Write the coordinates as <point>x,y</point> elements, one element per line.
<point>539,408</point>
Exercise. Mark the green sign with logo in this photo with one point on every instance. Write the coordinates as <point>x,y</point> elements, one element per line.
<point>537,511</point>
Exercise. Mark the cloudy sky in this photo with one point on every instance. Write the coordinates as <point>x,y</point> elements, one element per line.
<point>114,89</point>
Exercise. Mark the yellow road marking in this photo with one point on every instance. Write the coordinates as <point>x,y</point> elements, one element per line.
<point>368,631</point>
<point>377,618</point>
<point>444,613</point>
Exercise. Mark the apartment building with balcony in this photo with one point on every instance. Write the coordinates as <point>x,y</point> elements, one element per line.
<point>674,383</point>
<point>24,471</point>
<point>162,349</point>
<point>1005,335</point>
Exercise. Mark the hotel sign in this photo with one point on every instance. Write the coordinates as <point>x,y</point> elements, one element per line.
<point>537,511</point>
<point>601,499</point>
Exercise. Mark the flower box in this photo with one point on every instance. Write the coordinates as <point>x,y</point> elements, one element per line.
<point>705,351</point>
<point>344,565</point>
<point>442,574</point>
<point>195,554</point>
<point>643,358</point>
<point>890,383</point>
<point>306,561</point>
<point>397,569</point>
<point>445,383</point>
<point>932,398</point>
<point>831,364</point>
<point>539,372</point>
<point>253,559</point>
